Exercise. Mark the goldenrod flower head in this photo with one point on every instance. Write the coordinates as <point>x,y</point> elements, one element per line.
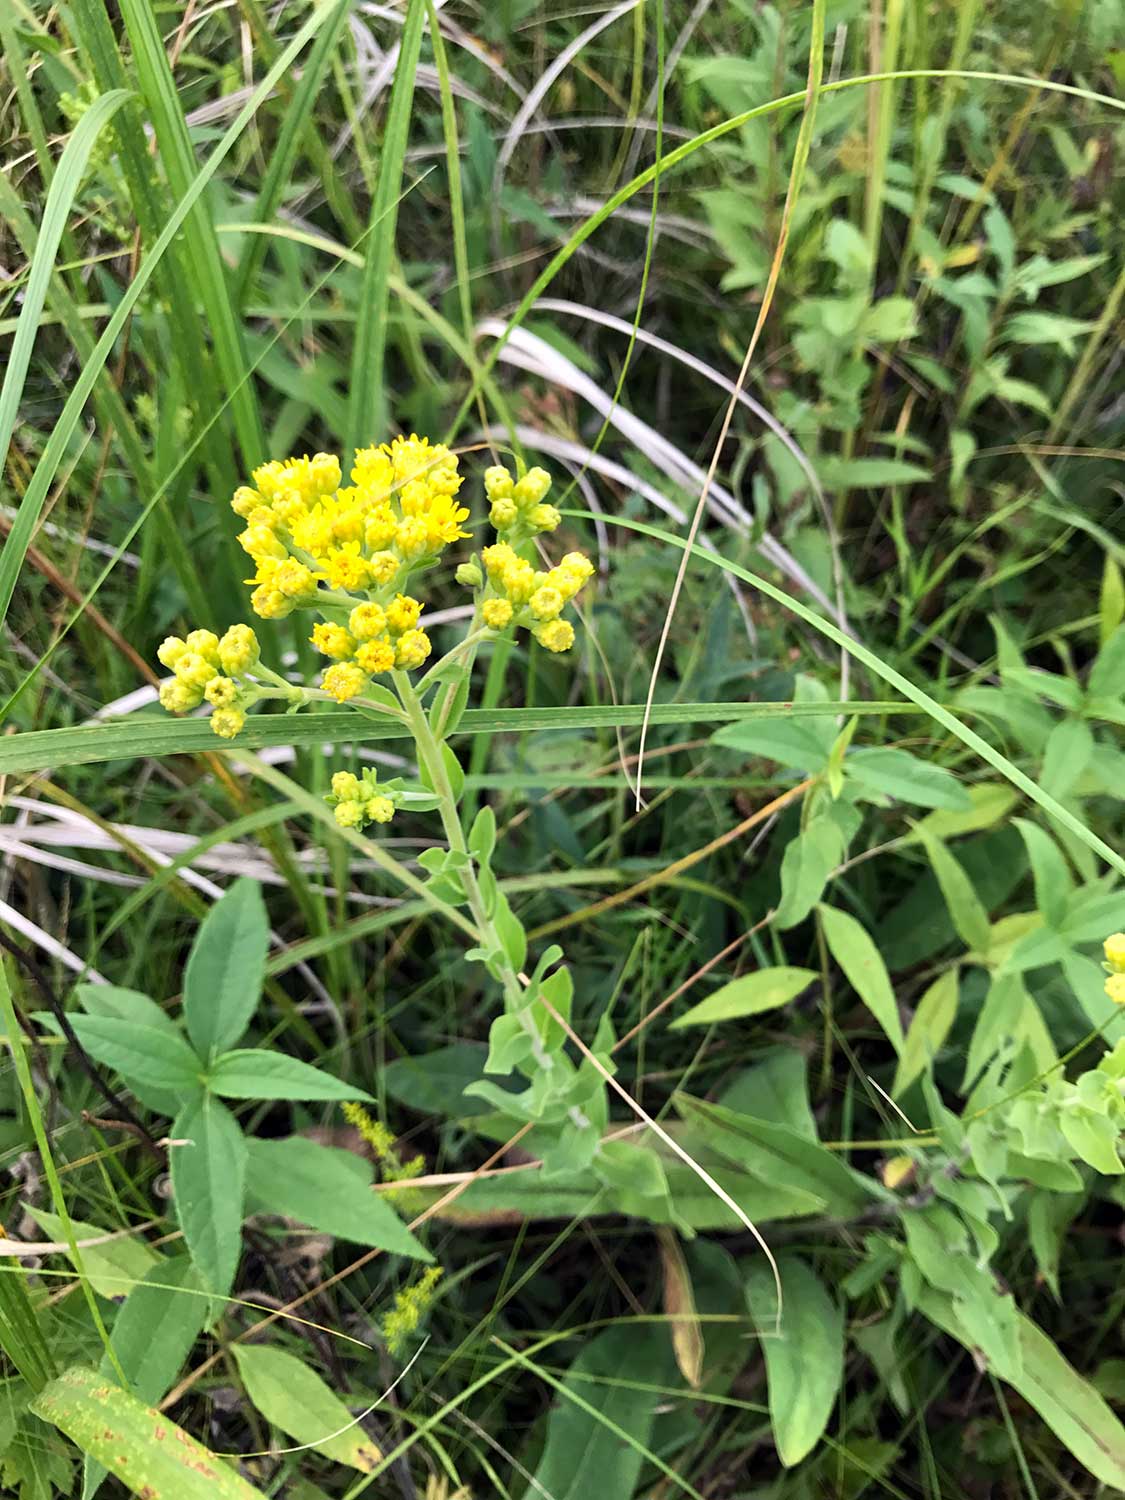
<point>469,575</point>
<point>349,814</point>
<point>498,483</point>
<point>376,656</point>
<point>544,517</point>
<point>294,580</point>
<point>366,621</point>
<point>409,1306</point>
<point>345,785</point>
<point>221,692</point>
<point>344,680</point>
<point>404,613</point>
<point>245,501</point>
<point>384,567</point>
<point>412,649</point>
<point>555,635</point>
<point>179,697</point>
<point>205,642</point>
<point>270,603</point>
<point>260,541</point>
<point>380,526</point>
<point>1115,952</point>
<point>578,562</point>
<point>346,568</point>
<point>238,650</point>
<point>1115,988</point>
<point>332,640</point>
<point>503,514</point>
<point>519,581</point>
<point>227,722</point>
<point>532,488</point>
<point>194,670</point>
<point>380,809</point>
<point>170,650</point>
<point>497,613</point>
<point>497,559</point>
<point>546,603</point>
<point>411,538</point>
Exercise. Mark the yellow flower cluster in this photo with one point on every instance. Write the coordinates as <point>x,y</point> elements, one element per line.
<point>525,596</point>
<point>517,505</point>
<point>205,668</point>
<point>359,800</point>
<point>377,638</point>
<point>304,527</point>
<point>1115,963</point>
<point>409,1306</point>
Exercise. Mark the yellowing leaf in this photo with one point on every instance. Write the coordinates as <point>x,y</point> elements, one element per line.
<point>679,1305</point>
<point>765,989</point>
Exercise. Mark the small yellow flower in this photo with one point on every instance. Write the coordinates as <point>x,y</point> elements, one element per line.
<point>205,642</point>
<point>346,568</point>
<point>412,649</point>
<point>179,698</point>
<point>546,603</point>
<point>345,785</point>
<point>294,580</point>
<point>544,517</point>
<point>244,501</point>
<point>343,681</point>
<point>349,814</point>
<point>555,635</point>
<point>380,809</point>
<point>376,656</point>
<point>238,650</point>
<point>519,581</point>
<point>260,541</point>
<point>503,513</point>
<point>497,613</point>
<point>578,562</point>
<point>497,559</point>
<point>411,537</point>
<point>380,526</point>
<point>383,566</point>
<point>194,670</point>
<point>403,614</point>
<point>227,722</point>
<point>366,621</point>
<point>170,650</point>
<point>221,692</point>
<point>532,488</point>
<point>1115,988</point>
<point>497,483</point>
<point>332,640</point>
<point>1115,952</point>
<point>270,603</point>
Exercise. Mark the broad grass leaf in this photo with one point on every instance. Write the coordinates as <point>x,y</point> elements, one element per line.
<point>150,1054</point>
<point>1067,1402</point>
<point>142,1447</point>
<point>749,995</point>
<point>853,949</point>
<point>256,1073</point>
<point>112,1268</point>
<point>805,1363</point>
<point>291,1396</point>
<point>906,778</point>
<point>598,1432</point>
<point>936,1012</point>
<point>225,970</point>
<point>208,1177</point>
<point>326,1189</point>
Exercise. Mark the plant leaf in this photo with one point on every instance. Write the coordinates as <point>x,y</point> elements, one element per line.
<point>936,1012</point>
<point>968,914</point>
<point>255,1073</point>
<point>805,1362</point>
<point>293,1397</point>
<point>906,778</point>
<point>326,1189</point>
<point>857,955</point>
<point>150,1054</point>
<point>225,969</point>
<point>765,989</point>
<point>112,1268</point>
<point>208,1175</point>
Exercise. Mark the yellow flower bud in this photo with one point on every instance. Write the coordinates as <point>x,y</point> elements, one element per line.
<point>383,566</point>
<point>260,541</point>
<point>497,613</point>
<point>194,670</point>
<point>324,471</point>
<point>497,483</point>
<point>349,814</point>
<point>345,785</point>
<point>238,650</point>
<point>226,722</point>
<point>343,681</point>
<point>546,603</point>
<point>380,809</point>
<point>170,650</point>
<point>403,614</point>
<point>497,559</point>
<point>1115,988</point>
<point>1115,952</point>
<point>205,642</point>
<point>221,692</point>
<point>332,640</point>
<point>519,581</point>
<point>532,488</point>
<point>294,580</point>
<point>244,500</point>
<point>469,575</point>
<point>503,514</point>
<point>555,635</point>
<point>544,517</point>
<point>411,537</point>
<point>270,603</point>
<point>376,656</point>
<point>367,621</point>
<point>179,698</point>
<point>412,649</point>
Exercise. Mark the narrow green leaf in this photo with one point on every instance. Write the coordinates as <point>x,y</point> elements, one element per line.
<point>226,969</point>
<point>293,1397</point>
<point>898,774</point>
<point>805,1362</point>
<point>257,1074</point>
<point>932,1021</point>
<point>1053,884</point>
<point>150,1455</point>
<point>857,955</point>
<point>808,861</point>
<point>208,1176</point>
<point>965,908</point>
<point>326,1189</point>
<point>752,993</point>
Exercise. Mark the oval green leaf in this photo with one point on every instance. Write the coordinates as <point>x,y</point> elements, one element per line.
<point>765,989</point>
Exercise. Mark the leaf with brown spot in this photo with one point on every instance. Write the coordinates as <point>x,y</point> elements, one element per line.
<point>679,1304</point>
